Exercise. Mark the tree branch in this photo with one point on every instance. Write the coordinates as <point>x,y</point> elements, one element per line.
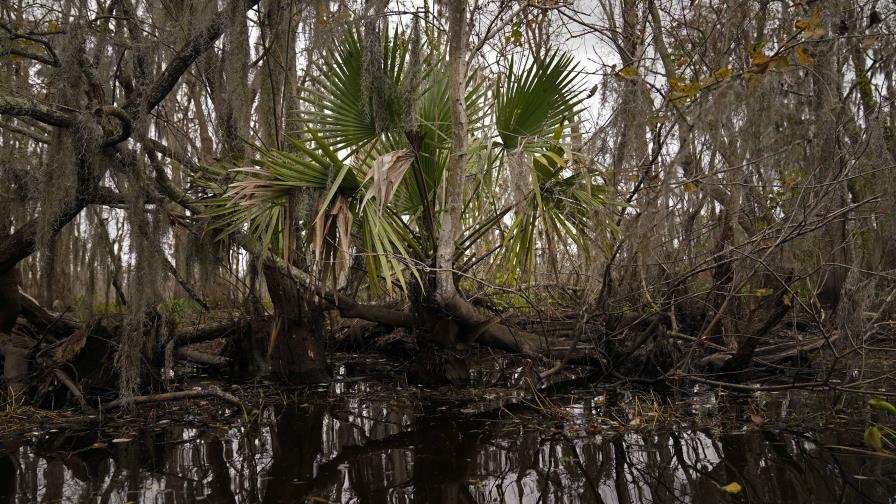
<point>188,54</point>
<point>29,107</point>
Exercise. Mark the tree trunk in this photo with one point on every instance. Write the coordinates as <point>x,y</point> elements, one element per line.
<point>14,358</point>
<point>452,204</point>
<point>296,351</point>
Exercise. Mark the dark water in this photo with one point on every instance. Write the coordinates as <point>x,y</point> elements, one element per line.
<point>360,445</point>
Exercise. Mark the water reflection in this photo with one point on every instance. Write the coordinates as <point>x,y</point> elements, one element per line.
<point>357,450</point>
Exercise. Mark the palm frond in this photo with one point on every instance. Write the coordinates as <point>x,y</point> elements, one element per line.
<point>557,213</point>
<point>535,98</point>
<point>338,103</point>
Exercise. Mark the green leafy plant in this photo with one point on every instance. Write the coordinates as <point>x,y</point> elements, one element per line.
<point>879,437</point>
<point>374,163</point>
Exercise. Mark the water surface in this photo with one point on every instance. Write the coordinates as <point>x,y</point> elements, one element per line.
<point>359,443</point>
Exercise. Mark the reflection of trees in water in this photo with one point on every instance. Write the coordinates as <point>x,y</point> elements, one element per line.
<point>370,451</point>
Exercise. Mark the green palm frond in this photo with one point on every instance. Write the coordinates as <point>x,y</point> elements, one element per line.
<point>257,202</point>
<point>556,213</point>
<point>535,98</point>
<point>385,243</point>
<point>340,106</point>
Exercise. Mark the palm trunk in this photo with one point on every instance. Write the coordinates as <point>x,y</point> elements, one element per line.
<point>296,351</point>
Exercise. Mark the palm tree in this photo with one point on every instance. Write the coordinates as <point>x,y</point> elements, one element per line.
<point>366,176</point>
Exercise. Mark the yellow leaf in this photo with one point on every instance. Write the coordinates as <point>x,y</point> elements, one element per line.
<point>689,186</point>
<point>732,488</point>
<point>723,73</point>
<point>629,72</point>
<point>53,26</point>
<point>873,438</point>
<point>806,24</point>
<point>764,292</point>
<point>760,59</point>
<point>815,33</point>
<point>802,58</point>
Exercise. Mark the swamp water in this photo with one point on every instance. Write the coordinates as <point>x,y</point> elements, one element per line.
<point>363,440</point>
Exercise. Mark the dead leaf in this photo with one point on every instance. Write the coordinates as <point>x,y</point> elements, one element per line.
<point>815,33</point>
<point>802,58</point>
<point>760,59</point>
<point>387,172</point>
<point>629,72</point>
<point>333,229</point>
<point>723,73</point>
<point>869,41</point>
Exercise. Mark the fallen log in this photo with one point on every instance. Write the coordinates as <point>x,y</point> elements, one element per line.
<point>212,330</point>
<point>44,319</point>
<point>175,396</point>
<point>198,357</point>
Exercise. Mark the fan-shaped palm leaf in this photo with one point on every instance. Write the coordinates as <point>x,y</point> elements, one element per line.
<point>535,98</point>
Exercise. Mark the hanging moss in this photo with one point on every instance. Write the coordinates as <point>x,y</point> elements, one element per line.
<point>410,86</point>
<point>143,280</point>
<point>373,78</point>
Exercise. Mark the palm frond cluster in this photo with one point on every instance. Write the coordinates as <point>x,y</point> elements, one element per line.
<point>376,165</point>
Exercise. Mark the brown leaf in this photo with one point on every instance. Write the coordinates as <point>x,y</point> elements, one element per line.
<point>869,41</point>
<point>333,229</point>
<point>387,172</point>
<point>629,72</point>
